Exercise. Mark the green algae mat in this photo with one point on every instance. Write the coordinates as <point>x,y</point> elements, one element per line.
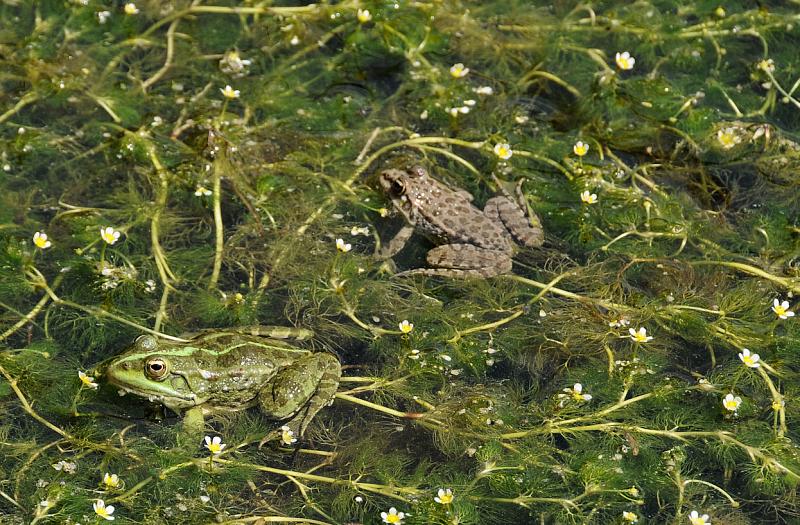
<point>404,262</point>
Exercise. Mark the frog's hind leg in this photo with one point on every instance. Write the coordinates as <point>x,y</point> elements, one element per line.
<point>301,390</point>
<point>526,230</point>
<point>463,260</point>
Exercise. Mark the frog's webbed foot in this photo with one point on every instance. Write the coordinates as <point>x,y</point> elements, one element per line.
<point>301,390</point>
<point>526,230</point>
<point>463,260</point>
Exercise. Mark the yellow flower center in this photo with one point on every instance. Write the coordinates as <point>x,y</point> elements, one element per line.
<point>748,360</point>
<point>392,518</point>
<point>780,310</point>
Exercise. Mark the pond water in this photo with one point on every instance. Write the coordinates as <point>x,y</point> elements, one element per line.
<point>431,262</point>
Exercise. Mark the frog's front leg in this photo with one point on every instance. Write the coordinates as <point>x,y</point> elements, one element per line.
<point>192,427</point>
<point>397,243</point>
<point>300,390</point>
<point>526,230</point>
<point>464,260</point>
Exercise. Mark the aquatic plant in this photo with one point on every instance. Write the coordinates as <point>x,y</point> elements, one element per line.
<point>175,166</point>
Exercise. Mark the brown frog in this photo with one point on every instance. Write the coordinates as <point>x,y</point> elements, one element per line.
<point>472,243</point>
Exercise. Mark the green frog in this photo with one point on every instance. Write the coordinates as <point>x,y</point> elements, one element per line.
<point>472,243</point>
<point>228,370</point>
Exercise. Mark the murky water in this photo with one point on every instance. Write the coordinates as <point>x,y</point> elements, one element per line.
<point>611,340</point>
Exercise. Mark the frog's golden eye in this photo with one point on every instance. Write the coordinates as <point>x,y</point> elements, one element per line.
<point>398,188</point>
<point>156,368</point>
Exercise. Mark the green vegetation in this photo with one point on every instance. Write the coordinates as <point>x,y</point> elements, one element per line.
<point>228,204</point>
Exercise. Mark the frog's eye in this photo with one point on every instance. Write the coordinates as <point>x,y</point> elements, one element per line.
<point>398,188</point>
<point>146,342</point>
<point>156,368</point>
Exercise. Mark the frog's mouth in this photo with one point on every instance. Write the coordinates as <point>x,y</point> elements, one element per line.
<point>153,391</point>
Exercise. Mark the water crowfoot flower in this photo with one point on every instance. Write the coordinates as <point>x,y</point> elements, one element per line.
<point>625,61</point>
<point>731,403</point>
<point>202,191</point>
<point>393,517</point>
<point>749,360</point>
<point>41,241</point>
<point>503,150</point>
<point>103,16</point>
<point>458,70</point>
<point>102,510</point>
<point>405,326</point>
<point>109,235</point>
<point>131,9</point>
<point>728,138</point>
<point>229,92</point>
<point>111,481</point>
<point>629,517</point>
<point>696,519</point>
<point>444,496</point>
<point>781,309</point>
<point>580,148</point>
<point>588,198</point>
<point>363,16</point>
<point>287,435</point>
<point>640,336</point>
<point>215,446</point>
<point>576,393</point>
<point>87,380</point>
<point>343,246</point>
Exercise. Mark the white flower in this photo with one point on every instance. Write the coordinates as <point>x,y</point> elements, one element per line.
<point>458,70</point>
<point>215,445</point>
<point>749,360</point>
<point>625,61</point>
<point>111,481</point>
<point>580,148</point>
<point>405,326</point>
<point>343,246</point>
<point>780,309</point>
<point>131,9</point>
<point>576,393</point>
<point>287,435</point>
<point>484,90</point>
<point>229,92</point>
<point>103,16</point>
<point>66,466</point>
<point>731,403</point>
<point>456,111</point>
<point>41,241</point>
<point>503,150</point>
<point>109,235</point>
<point>87,380</point>
<point>295,40</point>
<point>363,230</point>
<point>728,137</point>
<point>202,191</point>
<point>363,16</point>
<point>640,335</point>
<point>393,517</point>
<point>444,496</point>
<point>102,510</point>
<point>619,323</point>
<point>696,519</point>
<point>629,517</point>
<point>588,198</point>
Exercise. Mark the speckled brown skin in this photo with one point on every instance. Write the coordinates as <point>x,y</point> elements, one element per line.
<point>227,371</point>
<point>472,243</point>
